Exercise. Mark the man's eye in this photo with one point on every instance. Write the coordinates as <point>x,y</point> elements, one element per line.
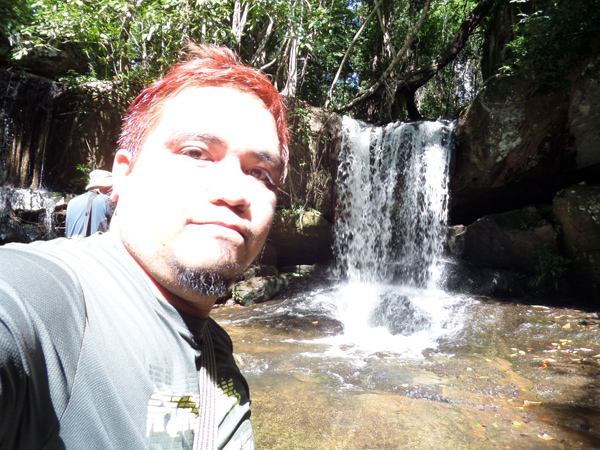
<point>195,152</point>
<point>262,175</point>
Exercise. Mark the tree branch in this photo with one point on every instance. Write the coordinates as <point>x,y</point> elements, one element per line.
<point>423,74</point>
<point>350,47</point>
<point>407,43</point>
<point>417,78</point>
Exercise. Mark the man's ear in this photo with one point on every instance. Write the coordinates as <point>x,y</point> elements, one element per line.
<point>122,165</point>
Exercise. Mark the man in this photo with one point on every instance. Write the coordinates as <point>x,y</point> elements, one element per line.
<point>105,342</point>
<point>91,212</point>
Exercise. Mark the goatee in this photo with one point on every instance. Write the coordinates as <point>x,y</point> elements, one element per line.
<point>202,281</point>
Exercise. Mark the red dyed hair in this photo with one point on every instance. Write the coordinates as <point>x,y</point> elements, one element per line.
<point>209,66</point>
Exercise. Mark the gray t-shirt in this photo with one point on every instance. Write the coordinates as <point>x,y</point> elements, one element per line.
<point>90,358</point>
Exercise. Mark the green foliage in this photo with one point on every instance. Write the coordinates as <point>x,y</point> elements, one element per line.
<point>552,38</point>
<point>78,183</point>
<point>294,210</point>
<point>132,42</point>
<point>552,268</point>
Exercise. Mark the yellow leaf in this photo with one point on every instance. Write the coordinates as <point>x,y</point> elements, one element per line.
<point>567,325</point>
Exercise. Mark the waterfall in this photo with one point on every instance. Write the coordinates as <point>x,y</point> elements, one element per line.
<point>392,186</point>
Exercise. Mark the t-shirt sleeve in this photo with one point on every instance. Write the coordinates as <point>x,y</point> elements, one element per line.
<point>41,327</point>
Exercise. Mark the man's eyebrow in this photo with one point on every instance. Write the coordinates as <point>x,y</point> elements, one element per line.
<point>269,158</point>
<point>177,136</point>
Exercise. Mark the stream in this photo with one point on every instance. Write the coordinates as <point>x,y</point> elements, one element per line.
<point>378,357</point>
<point>509,375</point>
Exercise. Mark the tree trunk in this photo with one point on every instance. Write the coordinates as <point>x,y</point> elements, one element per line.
<point>408,84</point>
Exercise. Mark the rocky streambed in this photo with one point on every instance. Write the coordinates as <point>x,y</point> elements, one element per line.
<point>513,376</point>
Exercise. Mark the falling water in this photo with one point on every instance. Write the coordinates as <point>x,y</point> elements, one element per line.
<point>392,186</point>
<point>393,197</point>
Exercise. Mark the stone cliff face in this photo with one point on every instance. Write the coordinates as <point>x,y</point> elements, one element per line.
<point>522,149</point>
<point>47,130</point>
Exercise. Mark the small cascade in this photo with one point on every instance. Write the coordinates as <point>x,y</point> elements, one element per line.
<point>28,215</point>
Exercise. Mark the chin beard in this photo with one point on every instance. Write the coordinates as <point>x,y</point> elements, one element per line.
<point>203,282</point>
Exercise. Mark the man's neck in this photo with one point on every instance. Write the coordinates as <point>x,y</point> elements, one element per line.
<point>197,307</point>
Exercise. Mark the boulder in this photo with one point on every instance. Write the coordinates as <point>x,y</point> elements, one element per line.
<point>512,240</point>
<point>584,118</point>
<point>299,237</point>
<point>259,289</point>
<point>577,210</point>
<point>314,145</point>
<point>53,62</point>
<point>511,149</point>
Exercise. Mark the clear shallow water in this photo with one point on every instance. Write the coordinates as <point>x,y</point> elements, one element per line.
<point>499,375</point>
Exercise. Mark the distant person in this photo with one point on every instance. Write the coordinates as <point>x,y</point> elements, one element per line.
<point>91,212</point>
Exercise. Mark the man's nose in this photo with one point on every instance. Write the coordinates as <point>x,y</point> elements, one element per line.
<point>230,186</point>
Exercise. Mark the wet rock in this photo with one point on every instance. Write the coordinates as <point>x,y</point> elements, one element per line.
<point>512,149</point>
<point>303,237</point>
<point>584,117</point>
<point>577,209</point>
<point>471,279</point>
<point>511,241</point>
<point>455,241</point>
<point>399,315</point>
<point>259,289</point>
<point>28,215</point>
<point>305,269</point>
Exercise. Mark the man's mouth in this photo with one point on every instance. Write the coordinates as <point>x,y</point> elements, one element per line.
<point>226,229</point>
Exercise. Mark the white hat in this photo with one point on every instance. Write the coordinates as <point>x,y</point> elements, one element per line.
<point>99,179</point>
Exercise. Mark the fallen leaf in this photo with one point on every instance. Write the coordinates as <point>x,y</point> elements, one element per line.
<point>545,437</point>
<point>315,322</point>
<point>567,325</point>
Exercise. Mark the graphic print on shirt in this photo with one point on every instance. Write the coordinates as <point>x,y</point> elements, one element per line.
<point>173,416</point>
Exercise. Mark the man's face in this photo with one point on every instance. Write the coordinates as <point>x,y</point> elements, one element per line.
<point>202,193</point>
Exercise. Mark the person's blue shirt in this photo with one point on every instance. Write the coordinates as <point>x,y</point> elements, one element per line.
<point>101,212</point>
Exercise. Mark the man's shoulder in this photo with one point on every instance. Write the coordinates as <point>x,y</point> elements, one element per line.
<point>50,265</point>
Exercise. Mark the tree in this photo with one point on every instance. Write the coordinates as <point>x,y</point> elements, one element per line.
<point>365,57</point>
<point>392,92</point>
